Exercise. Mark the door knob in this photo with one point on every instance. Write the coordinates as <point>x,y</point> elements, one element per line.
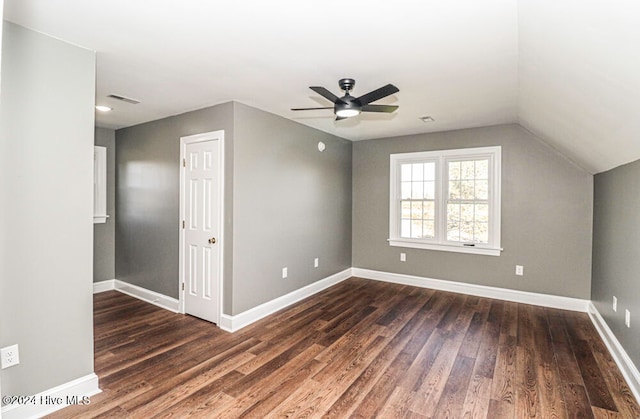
<point>212,240</point>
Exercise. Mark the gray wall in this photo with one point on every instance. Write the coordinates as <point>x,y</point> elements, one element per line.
<point>616,252</point>
<point>292,203</point>
<point>46,187</point>
<point>104,234</point>
<point>285,203</point>
<point>148,195</point>
<point>546,215</point>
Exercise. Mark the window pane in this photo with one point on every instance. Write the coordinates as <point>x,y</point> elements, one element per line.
<point>466,212</point>
<point>405,228</point>
<point>428,210</point>
<point>405,172</point>
<point>416,229</point>
<point>454,170</point>
<point>468,170</point>
<point>482,213</point>
<point>405,209</point>
<point>453,231</point>
<point>417,171</point>
<point>405,192</point>
<point>428,229</point>
<point>467,189</point>
<point>482,189</point>
<point>429,171</point>
<point>482,169</point>
<point>416,210</point>
<point>481,232</point>
<point>429,190</point>
<point>454,190</point>
<point>466,232</point>
<point>453,212</point>
<point>417,190</point>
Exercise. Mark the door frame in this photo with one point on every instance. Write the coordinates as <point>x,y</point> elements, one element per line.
<point>217,136</point>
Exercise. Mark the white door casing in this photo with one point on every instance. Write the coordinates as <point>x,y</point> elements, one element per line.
<point>201,225</point>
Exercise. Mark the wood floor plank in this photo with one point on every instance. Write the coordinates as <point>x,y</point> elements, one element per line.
<point>278,393</point>
<point>551,395</point>
<point>504,380</point>
<point>358,349</point>
<point>478,398</point>
<point>620,391</point>
<point>257,392</point>
<point>370,390</point>
<point>527,387</point>
<point>455,390</point>
<point>397,405</point>
<point>597,390</point>
<point>429,393</point>
<point>577,402</point>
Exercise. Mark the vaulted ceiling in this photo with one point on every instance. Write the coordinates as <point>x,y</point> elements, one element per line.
<point>567,70</point>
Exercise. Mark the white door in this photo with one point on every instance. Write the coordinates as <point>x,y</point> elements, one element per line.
<point>201,252</point>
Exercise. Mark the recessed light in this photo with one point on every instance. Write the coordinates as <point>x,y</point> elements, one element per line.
<point>427,119</point>
<point>103,108</point>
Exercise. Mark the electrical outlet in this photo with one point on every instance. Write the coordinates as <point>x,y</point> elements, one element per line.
<point>10,356</point>
<point>403,257</point>
<point>615,303</point>
<point>519,270</point>
<point>627,318</point>
<point>315,263</point>
<point>284,272</point>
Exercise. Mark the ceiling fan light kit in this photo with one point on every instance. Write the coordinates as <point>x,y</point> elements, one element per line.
<point>348,106</point>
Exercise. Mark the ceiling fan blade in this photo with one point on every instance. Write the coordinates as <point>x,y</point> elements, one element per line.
<point>379,108</point>
<point>326,94</point>
<point>309,109</point>
<point>377,94</point>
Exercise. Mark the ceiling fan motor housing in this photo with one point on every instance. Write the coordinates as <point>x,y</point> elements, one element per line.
<point>346,84</point>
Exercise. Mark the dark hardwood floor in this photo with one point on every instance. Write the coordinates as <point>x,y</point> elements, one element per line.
<point>359,349</point>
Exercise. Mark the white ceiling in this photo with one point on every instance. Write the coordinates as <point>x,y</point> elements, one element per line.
<point>568,70</point>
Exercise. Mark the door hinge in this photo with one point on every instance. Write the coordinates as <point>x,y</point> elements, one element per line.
<point>182,223</point>
<point>183,286</point>
<point>184,162</point>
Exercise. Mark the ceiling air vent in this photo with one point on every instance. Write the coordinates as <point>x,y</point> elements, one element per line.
<point>124,99</point>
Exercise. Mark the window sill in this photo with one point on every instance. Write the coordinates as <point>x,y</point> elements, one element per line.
<point>476,250</point>
<point>100,219</point>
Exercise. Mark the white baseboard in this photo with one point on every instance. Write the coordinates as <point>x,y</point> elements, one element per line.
<point>237,322</point>
<point>140,293</point>
<point>149,296</point>
<point>545,300</point>
<point>104,286</point>
<point>49,401</point>
<point>619,355</point>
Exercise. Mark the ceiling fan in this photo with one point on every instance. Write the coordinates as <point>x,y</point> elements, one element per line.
<point>348,106</point>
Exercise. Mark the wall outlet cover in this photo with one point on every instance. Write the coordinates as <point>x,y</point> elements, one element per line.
<point>9,356</point>
<point>627,318</point>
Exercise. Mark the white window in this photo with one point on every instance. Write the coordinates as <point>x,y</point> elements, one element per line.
<point>446,200</point>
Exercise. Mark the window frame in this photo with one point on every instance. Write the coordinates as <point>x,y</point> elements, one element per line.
<point>441,157</point>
